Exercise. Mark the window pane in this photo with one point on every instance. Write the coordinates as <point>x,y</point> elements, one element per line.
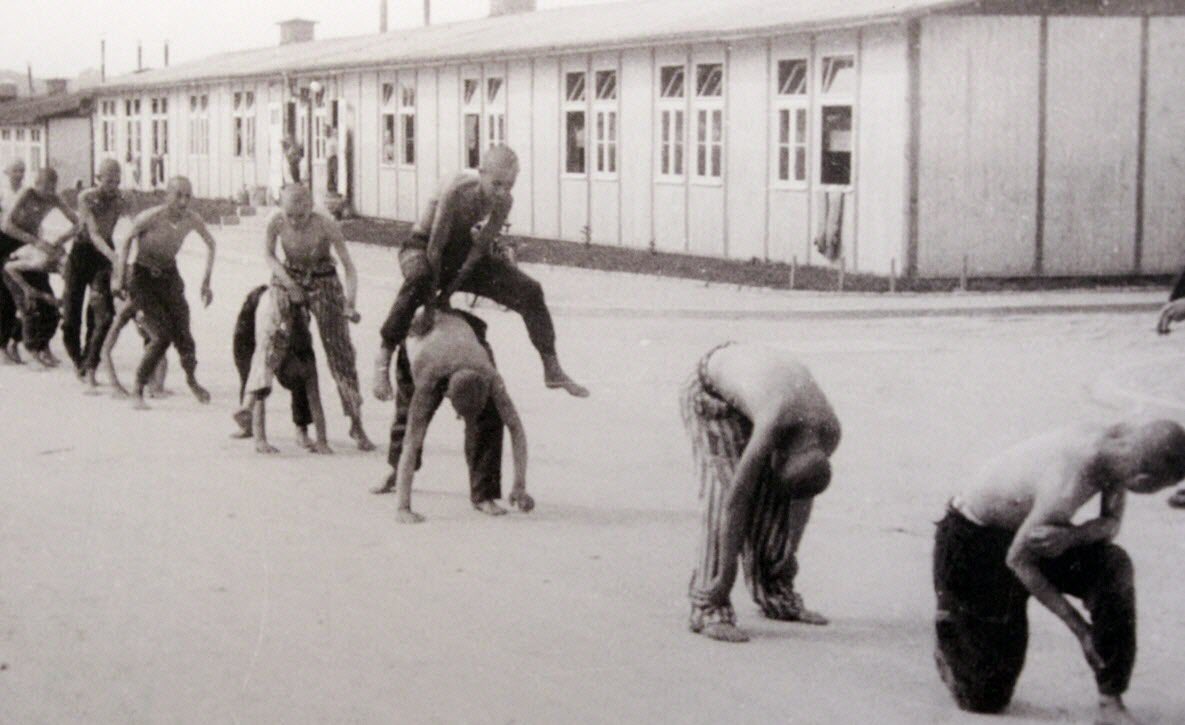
<point>671,81</point>
<point>783,163</point>
<point>575,142</point>
<point>600,157</point>
<point>205,102</point>
<point>678,158</point>
<point>701,127</point>
<point>800,125</point>
<point>389,138</point>
<point>493,87</point>
<point>470,90</point>
<point>666,159</point>
<point>409,139</point>
<point>388,92</point>
<point>613,159</point>
<point>701,160</point>
<point>606,85</point>
<point>612,126</point>
<point>238,100</point>
<point>836,160</point>
<point>716,161</point>
<point>800,163</point>
<point>666,126</point>
<point>679,127</point>
<point>600,126</point>
<point>472,140</point>
<point>783,127</point>
<point>839,74</point>
<point>408,96</point>
<point>717,125</point>
<point>575,87</point>
<point>791,77</point>
<point>707,79</point>
<point>249,99</point>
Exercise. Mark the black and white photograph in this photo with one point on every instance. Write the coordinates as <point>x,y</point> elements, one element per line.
<point>634,361</point>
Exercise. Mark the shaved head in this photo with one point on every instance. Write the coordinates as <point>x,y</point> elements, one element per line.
<point>110,174</point>
<point>297,202</point>
<point>178,193</point>
<point>16,166</point>
<point>468,391</point>
<point>500,156</point>
<point>1161,446</point>
<point>47,180</point>
<point>499,170</point>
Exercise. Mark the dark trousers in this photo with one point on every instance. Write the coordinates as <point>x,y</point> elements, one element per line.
<point>39,319</point>
<point>982,626</point>
<point>160,296</point>
<point>483,435</point>
<point>492,277</point>
<point>86,269</point>
<point>10,328</point>
<point>294,369</point>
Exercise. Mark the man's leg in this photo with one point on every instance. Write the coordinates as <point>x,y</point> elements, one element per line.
<point>717,441</point>
<point>178,311</point>
<point>260,345</point>
<point>981,625</point>
<point>125,315</point>
<point>149,295</point>
<point>41,319</point>
<point>76,278</point>
<point>1102,576</point>
<point>100,315</point>
<point>506,284</point>
<point>776,525</point>
<point>328,304</point>
<point>405,388</point>
<point>415,291</point>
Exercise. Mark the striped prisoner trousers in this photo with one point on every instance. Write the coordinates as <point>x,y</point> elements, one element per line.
<point>719,433</point>
<point>326,300</point>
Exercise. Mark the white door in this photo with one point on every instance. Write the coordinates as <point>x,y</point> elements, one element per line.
<point>275,149</point>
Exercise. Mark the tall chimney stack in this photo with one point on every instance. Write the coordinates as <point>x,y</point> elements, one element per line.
<point>166,54</point>
<point>103,60</point>
<point>427,12</point>
<point>139,56</point>
<point>382,16</point>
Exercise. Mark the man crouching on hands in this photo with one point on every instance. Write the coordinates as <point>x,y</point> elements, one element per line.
<point>445,355</point>
<point>1011,535</point>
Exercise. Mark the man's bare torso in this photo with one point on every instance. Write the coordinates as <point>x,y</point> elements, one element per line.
<point>30,211</point>
<point>305,245</point>
<point>768,384</point>
<point>104,208</point>
<point>161,239</point>
<point>449,346</point>
<point>470,206</point>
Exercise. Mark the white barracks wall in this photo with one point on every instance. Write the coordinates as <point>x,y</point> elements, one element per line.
<point>788,208</point>
<point>545,150</point>
<point>747,149</point>
<point>519,120</point>
<point>635,154</point>
<point>1164,176</point>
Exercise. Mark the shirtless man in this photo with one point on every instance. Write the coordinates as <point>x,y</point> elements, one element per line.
<point>761,433</point>
<point>89,267</point>
<point>306,282</point>
<point>1011,534</point>
<point>21,225</point>
<point>9,328</point>
<point>26,275</point>
<point>1174,311</point>
<point>156,287</point>
<point>443,256</point>
<point>446,355</point>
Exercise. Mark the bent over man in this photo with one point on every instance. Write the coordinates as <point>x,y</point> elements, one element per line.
<point>156,287</point>
<point>443,255</point>
<point>1011,534</point>
<point>761,434</point>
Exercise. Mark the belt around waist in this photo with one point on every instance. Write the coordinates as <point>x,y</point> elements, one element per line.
<point>155,271</point>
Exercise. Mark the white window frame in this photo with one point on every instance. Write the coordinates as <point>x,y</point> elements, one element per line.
<point>107,127</point>
<point>243,124</point>
<point>825,98</point>
<point>670,108</point>
<point>199,123</point>
<point>791,103</point>
<point>134,125</point>
<point>320,127</point>
<point>493,111</point>
<point>160,125</point>
<point>707,113</point>
<point>407,116</point>
<point>606,125</point>
<point>388,90</point>
<point>580,105</point>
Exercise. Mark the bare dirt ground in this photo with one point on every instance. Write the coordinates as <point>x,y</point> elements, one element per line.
<point>154,570</point>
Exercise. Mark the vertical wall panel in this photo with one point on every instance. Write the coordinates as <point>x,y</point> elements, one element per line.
<point>369,144</point>
<point>519,120</point>
<point>546,144</point>
<point>789,213</point>
<point>880,195</point>
<point>747,154</point>
<point>977,174</point>
<point>670,194</point>
<point>426,125</point>
<point>706,227</point>
<point>574,190</point>
<point>1164,212</point>
<point>635,150</point>
<point>448,129</point>
<point>1094,84</point>
<point>604,214</point>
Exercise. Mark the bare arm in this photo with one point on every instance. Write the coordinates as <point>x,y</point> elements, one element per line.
<point>93,233</point>
<point>75,224</point>
<point>518,441</point>
<point>338,240</point>
<point>199,226</point>
<point>442,229</point>
<point>273,262</point>
<point>483,243</point>
<point>419,413</point>
<point>143,222</point>
<point>10,228</point>
<point>737,504</point>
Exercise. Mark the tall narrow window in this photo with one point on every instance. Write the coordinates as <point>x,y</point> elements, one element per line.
<point>471,97</point>
<point>237,115</point>
<point>249,121</point>
<point>671,126</point>
<point>134,145</point>
<point>407,123</point>
<point>390,144</point>
<point>708,112</point>
<point>575,132</point>
<point>320,127</point>
<point>495,111</point>
<point>836,112</point>
<point>107,110</point>
<point>605,123</point>
<point>790,119</point>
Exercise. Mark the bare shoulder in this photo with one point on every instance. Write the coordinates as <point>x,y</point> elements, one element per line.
<point>327,225</point>
<point>465,182</point>
<point>149,216</point>
<point>194,219</point>
<point>275,222</point>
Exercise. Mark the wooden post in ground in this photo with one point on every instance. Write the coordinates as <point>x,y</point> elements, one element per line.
<point>843,262</point>
<point>963,276</point>
<point>892,275</point>
<point>793,270</point>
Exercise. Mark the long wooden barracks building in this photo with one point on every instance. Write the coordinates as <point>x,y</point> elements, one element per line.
<point>1018,138</point>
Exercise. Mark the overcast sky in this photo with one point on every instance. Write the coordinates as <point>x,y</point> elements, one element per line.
<point>61,37</point>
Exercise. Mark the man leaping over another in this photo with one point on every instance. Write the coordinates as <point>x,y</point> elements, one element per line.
<point>443,256</point>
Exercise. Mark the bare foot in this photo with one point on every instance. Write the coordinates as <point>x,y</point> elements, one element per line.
<point>202,395</point>
<point>724,632</point>
<point>49,358</point>
<point>359,437</point>
<point>242,419</point>
<point>139,403</point>
<point>155,392</point>
<point>794,611</point>
<point>522,501</point>
<point>265,447</point>
<point>407,516</point>
<point>386,486</point>
<point>555,377</point>
<point>1177,500</point>
<point>11,355</point>
<point>1112,712</point>
<point>38,363</point>
<point>303,440</point>
<point>118,391</point>
<point>490,508</point>
<point>320,447</point>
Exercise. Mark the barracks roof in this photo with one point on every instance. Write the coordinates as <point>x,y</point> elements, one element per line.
<point>549,31</point>
<point>33,109</point>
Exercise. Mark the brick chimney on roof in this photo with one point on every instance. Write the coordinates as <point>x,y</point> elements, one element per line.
<point>296,30</point>
<point>56,86</point>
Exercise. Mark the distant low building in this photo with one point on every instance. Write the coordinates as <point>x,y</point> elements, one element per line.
<point>53,130</point>
<point>1004,137</point>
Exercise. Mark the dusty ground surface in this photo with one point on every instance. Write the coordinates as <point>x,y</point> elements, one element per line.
<point>153,570</point>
